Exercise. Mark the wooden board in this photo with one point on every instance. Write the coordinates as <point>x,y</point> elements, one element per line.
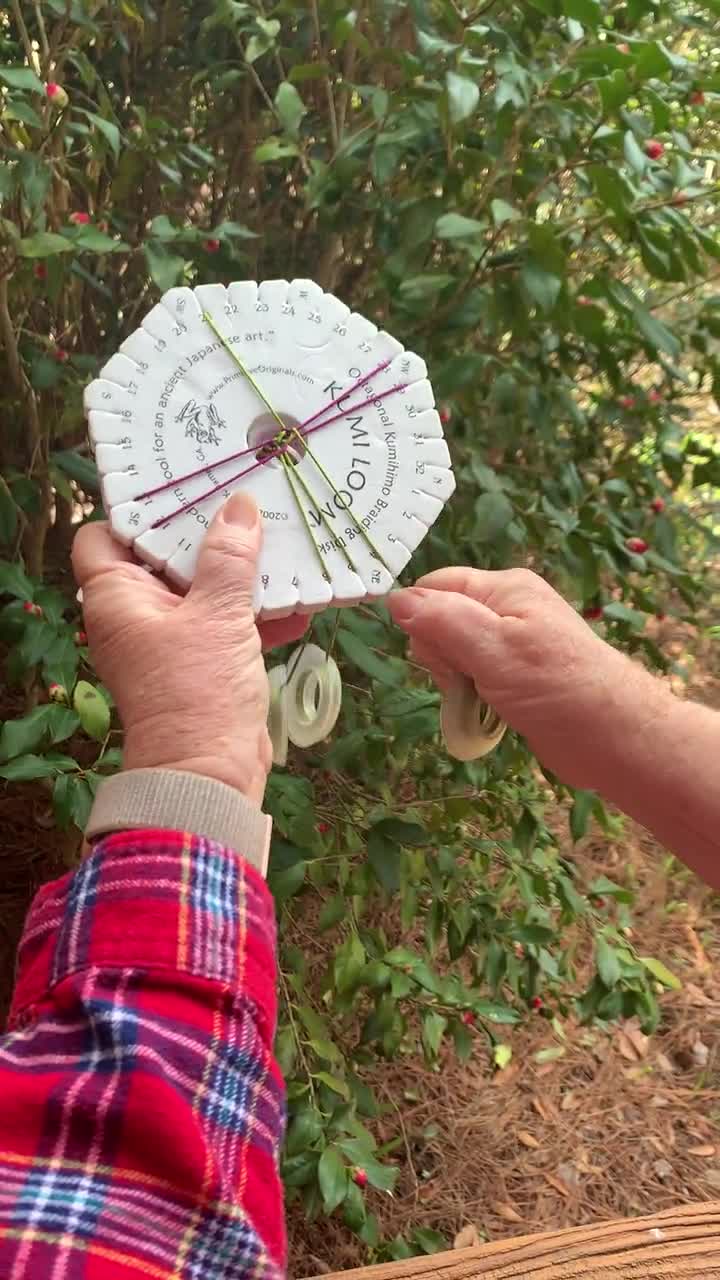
<point>682,1243</point>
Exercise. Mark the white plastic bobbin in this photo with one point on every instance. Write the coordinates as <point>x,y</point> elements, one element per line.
<point>276,389</point>
<point>314,696</point>
<point>278,713</point>
<point>470,728</point>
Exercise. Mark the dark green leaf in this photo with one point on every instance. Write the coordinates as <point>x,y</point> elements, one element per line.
<point>493,513</point>
<point>385,858</point>
<point>333,1178</point>
<point>386,670</point>
<point>463,96</point>
<point>608,965</point>
<point>22,78</point>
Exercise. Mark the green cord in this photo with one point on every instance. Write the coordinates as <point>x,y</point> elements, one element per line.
<point>291,482</point>
<point>305,447</point>
<point>360,528</point>
<point>311,497</point>
<point>233,354</point>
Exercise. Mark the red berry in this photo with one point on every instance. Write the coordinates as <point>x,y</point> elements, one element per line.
<point>445,414</point>
<point>599,902</point>
<point>80,218</point>
<point>680,198</point>
<point>322,827</point>
<point>40,271</point>
<point>80,637</point>
<point>469,1018</point>
<point>536,1002</point>
<point>61,356</point>
<point>623,48</point>
<point>697,98</point>
<point>28,606</point>
<point>57,693</point>
<point>593,613</point>
<point>583,300</point>
<point>660,617</point>
<point>638,545</point>
<point>519,950</point>
<point>655,397</point>
<point>360,1178</point>
<point>52,89</point>
<point>211,246</point>
<point>657,505</point>
<point>627,402</point>
<point>654,149</point>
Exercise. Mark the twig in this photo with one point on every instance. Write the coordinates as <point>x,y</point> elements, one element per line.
<point>326,79</point>
<point>44,45</point>
<point>24,35</point>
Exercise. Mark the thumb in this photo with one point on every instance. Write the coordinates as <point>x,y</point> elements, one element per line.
<point>227,564</point>
<point>463,633</point>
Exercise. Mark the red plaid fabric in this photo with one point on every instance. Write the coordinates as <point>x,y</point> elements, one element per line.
<point>141,1112</point>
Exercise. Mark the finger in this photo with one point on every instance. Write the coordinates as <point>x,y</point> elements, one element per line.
<point>95,551</point>
<point>283,630</point>
<point>227,564</point>
<point>427,656</point>
<point>508,592</point>
<point>462,631</point>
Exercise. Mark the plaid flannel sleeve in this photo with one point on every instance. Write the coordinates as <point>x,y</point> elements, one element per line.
<point>141,1111</point>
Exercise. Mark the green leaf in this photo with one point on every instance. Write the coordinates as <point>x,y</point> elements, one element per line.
<point>424,287</point>
<point>657,334</point>
<point>580,813</point>
<point>433,1030</point>
<point>348,964</point>
<point>543,286</point>
<point>62,800</point>
<point>453,226</point>
<point>46,244</point>
<point>42,727</point>
<point>22,78</point>
<point>634,155</point>
<point>386,670</point>
<point>92,240</point>
<point>661,972</point>
<point>493,513</point>
<point>166,269</point>
<point>333,1082</point>
<point>588,12</point>
<point>606,959</point>
<point>463,96</point>
<point>398,829</point>
<point>92,709</point>
<point>275,149</point>
<point>15,582</point>
<point>108,129</point>
<point>494,1011</point>
<point>385,858</point>
<point>78,468</point>
<point>503,212</point>
<point>27,768</point>
<point>290,107</point>
<point>334,910</point>
<point>8,514</point>
<point>332,1178</point>
<point>502,1056</point>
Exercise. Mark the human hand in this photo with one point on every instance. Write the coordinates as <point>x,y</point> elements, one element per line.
<point>186,672</point>
<point>534,660</point>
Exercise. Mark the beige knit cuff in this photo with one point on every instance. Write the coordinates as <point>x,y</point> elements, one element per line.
<point>176,801</point>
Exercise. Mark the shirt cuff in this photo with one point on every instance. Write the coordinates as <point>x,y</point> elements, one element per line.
<point>153,900</point>
<point>174,800</point>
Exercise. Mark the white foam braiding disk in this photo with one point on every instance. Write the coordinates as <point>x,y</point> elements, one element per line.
<point>190,409</point>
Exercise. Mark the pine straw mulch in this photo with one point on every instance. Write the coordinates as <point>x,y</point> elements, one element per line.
<point>616,1126</point>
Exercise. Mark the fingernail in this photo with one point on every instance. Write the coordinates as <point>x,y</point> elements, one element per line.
<point>404,605</point>
<point>240,509</point>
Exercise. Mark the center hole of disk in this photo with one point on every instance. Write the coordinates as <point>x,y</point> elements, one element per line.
<point>266,438</point>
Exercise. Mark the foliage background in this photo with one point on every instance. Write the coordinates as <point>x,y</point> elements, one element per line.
<point>482,181</point>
